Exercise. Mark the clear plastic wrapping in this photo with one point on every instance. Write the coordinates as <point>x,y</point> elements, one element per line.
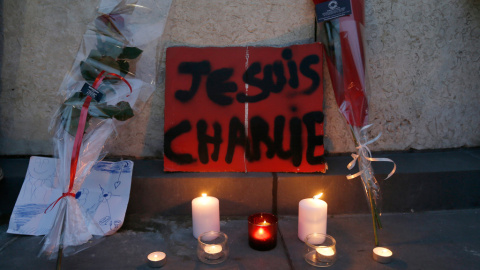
<point>118,57</point>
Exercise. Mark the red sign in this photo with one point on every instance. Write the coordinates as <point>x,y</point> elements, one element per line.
<point>244,109</point>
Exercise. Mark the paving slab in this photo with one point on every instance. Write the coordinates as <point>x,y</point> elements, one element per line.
<point>128,249</point>
<point>429,240</point>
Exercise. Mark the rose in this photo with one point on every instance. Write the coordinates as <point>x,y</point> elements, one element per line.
<point>112,56</point>
<point>110,23</point>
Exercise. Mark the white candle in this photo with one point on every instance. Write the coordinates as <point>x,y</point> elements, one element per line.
<point>382,255</point>
<point>205,215</point>
<point>325,254</point>
<point>213,252</point>
<point>312,217</point>
<point>156,259</point>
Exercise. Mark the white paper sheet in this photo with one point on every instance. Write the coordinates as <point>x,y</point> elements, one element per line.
<point>104,195</point>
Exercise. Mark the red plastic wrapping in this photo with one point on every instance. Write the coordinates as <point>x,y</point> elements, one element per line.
<point>344,49</point>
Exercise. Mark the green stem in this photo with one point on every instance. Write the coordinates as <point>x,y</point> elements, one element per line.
<point>377,217</point>
<point>373,210</point>
<point>60,248</point>
<point>59,258</point>
<point>373,216</point>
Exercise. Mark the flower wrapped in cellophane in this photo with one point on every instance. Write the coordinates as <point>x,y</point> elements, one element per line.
<point>341,27</point>
<point>112,77</point>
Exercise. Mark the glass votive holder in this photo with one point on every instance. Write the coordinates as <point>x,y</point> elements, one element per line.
<point>262,231</point>
<point>320,250</point>
<point>212,247</point>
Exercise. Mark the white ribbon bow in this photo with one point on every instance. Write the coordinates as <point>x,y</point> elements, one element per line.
<point>364,152</point>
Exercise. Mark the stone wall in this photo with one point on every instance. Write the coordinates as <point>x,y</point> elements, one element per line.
<point>423,61</point>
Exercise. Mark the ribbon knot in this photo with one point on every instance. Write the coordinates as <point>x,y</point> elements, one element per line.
<point>365,153</point>
<point>79,135</point>
<point>59,198</point>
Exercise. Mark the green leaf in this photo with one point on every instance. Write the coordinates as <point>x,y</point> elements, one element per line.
<point>94,64</point>
<point>130,53</point>
<point>113,48</point>
<point>124,67</point>
<point>71,110</point>
<point>108,110</point>
<point>76,99</point>
<point>125,111</point>
<point>104,62</point>
<point>89,72</point>
<point>101,44</point>
<point>91,67</point>
<point>122,111</point>
<point>94,54</point>
<point>96,110</point>
<point>71,118</point>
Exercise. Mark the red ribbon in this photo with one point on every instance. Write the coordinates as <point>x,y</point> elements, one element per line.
<point>59,198</point>
<point>79,136</point>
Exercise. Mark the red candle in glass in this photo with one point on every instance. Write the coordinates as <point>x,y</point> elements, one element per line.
<point>262,231</point>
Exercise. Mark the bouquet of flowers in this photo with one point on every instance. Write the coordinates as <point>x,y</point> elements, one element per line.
<point>341,31</point>
<point>112,77</point>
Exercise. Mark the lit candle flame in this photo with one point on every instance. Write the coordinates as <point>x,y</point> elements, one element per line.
<point>204,194</point>
<point>316,197</point>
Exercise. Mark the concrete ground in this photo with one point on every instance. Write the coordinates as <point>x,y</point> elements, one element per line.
<point>428,240</point>
<point>432,222</point>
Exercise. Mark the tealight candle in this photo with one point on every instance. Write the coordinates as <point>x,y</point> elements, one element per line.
<point>382,255</point>
<point>320,250</point>
<point>157,259</point>
<point>213,252</point>
<point>261,234</point>
<point>312,217</point>
<point>205,215</point>
<point>212,247</point>
<point>325,254</point>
